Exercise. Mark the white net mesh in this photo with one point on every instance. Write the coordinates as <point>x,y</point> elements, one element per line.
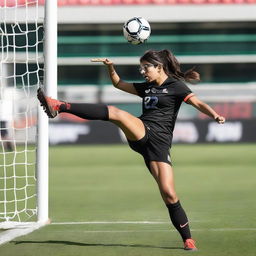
<point>21,69</point>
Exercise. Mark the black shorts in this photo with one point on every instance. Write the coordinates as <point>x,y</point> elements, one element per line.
<point>151,148</point>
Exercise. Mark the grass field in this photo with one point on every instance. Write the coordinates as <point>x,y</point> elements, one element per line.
<point>101,196</point>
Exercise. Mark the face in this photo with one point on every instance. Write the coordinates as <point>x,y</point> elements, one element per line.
<point>149,71</point>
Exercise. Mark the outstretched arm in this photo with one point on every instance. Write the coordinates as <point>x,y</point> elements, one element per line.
<point>206,109</point>
<point>116,81</point>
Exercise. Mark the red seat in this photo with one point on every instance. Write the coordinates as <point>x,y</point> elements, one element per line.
<point>40,2</point>
<point>95,2</point>
<point>106,2</point>
<point>184,2</point>
<point>238,1</point>
<point>227,1</point>
<point>116,1</point>
<point>84,2</point>
<point>171,1</point>
<point>159,2</point>
<point>128,2</point>
<point>144,1</point>
<point>21,2</point>
<point>199,1</point>
<point>73,2</point>
<point>62,2</point>
<point>9,3</point>
<point>214,1</point>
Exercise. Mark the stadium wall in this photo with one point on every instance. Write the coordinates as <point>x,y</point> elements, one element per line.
<point>187,131</point>
<point>99,14</point>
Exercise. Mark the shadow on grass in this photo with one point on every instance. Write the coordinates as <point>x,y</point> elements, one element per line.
<point>95,244</point>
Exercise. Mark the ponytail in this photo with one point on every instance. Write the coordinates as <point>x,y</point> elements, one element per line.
<point>173,68</point>
<point>170,65</point>
<point>191,76</point>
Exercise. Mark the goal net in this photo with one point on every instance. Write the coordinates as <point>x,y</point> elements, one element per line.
<point>21,72</point>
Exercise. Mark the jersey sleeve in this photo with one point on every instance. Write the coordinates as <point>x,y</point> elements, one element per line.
<point>183,92</point>
<point>140,88</point>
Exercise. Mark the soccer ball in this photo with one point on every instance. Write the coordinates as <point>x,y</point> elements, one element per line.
<point>136,30</point>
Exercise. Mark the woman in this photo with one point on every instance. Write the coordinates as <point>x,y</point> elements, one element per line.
<point>151,133</point>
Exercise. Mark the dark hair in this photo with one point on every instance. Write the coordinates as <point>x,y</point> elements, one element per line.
<point>170,65</point>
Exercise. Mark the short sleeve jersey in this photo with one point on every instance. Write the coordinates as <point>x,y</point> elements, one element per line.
<point>161,104</point>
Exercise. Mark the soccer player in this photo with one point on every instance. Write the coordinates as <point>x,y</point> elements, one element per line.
<point>150,134</point>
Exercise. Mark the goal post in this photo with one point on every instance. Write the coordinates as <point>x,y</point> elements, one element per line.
<point>28,59</point>
<point>50,82</point>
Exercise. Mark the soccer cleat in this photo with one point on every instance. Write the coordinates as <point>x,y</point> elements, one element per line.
<point>50,106</point>
<point>190,245</point>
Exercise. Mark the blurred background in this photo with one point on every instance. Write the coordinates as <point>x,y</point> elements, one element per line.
<point>217,37</point>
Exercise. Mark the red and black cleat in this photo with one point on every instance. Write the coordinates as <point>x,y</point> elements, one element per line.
<point>50,106</point>
<point>190,245</point>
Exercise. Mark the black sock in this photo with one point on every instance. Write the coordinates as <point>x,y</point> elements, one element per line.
<point>86,111</point>
<point>179,219</point>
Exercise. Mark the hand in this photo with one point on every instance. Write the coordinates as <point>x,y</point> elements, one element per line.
<point>103,60</point>
<point>220,119</point>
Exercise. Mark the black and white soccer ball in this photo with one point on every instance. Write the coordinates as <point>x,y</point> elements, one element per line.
<point>136,30</point>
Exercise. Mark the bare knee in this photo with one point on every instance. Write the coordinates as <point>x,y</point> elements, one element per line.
<point>163,174</point>
<point>115,113</point>
<point>169,196</point>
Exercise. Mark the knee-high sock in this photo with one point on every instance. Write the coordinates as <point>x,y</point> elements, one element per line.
<point>179,219</point>
<point>86,111</point>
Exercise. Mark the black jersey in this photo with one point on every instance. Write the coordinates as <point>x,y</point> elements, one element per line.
<point>161,105</point>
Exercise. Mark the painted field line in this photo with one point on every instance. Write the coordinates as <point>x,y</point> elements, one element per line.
<point>118,231</point>
<point>110,222</point>
<point>114,222</point>
<point>232,229</point>
<point>159,230</point>
<point>146,222</point>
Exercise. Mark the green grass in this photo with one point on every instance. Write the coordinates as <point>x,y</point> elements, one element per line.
<point>215,183</point>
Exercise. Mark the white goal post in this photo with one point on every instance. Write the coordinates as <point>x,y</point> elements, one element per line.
<point>28,59</point>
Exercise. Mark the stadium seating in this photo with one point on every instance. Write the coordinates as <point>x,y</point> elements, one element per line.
<point>129,2</point>
<point>11,3</point>
<point>198,48</point>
